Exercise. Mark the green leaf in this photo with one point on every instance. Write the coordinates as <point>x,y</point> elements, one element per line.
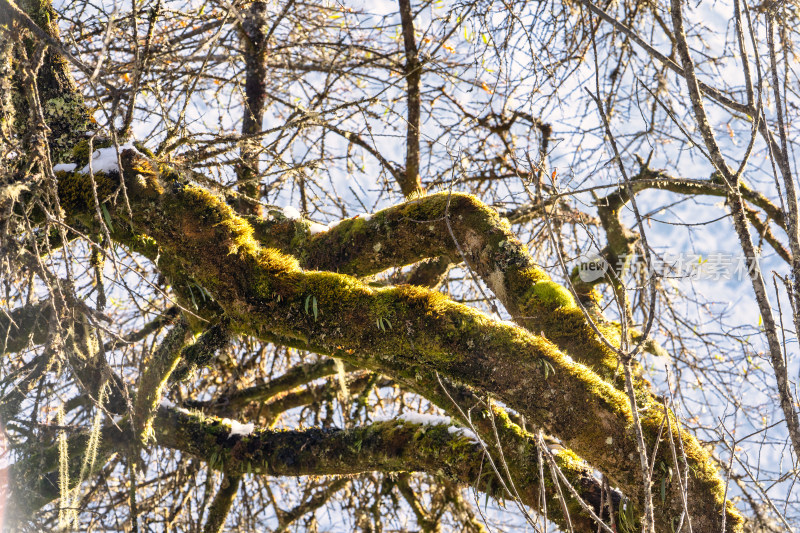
<point>107,217</point>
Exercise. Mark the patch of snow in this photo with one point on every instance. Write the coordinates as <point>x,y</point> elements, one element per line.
<point>169,405</point>
<point>463,432</point>
<point>366,217</point>
<point>237,428</point>
<point>65,167</point>
<point>436,420</point>
<point>105,159</point>
<point>315,228</point>
<point>427,420</point>
<point>291,213</point>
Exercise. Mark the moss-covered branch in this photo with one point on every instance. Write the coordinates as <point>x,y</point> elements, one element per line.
<point>154,379</point>
<point>505,437</point>
<point>512,447</point>
<point>418,229</point>
<point>202,351</point>
<point>390,446</point>
<point>398,331</point>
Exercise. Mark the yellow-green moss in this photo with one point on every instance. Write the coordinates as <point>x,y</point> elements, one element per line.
<point>216,248</point>
<point>553,294</point>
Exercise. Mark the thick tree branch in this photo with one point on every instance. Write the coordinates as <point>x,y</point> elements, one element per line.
<point>201,352</point>
<point>62,104</point>
<point>255,40</point>
<point>390,446</point>
<point>263,293</point>
<point>415,230</point>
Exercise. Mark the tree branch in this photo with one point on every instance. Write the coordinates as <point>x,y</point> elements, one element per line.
<point>263,292</point>
<point>413,72</point>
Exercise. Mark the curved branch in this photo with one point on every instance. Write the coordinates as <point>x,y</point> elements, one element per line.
<point>221,506</point>
<point>387,446</point>
<point>417,229</point>
<point>398,330</point>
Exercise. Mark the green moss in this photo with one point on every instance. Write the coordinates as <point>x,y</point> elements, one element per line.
<point>216,248</point>
<point>142,244</point>
<point>553,294</point>
<point>426,208</point>
<point>41,11</point>
<point>75,191</point>
<point>168,174</point>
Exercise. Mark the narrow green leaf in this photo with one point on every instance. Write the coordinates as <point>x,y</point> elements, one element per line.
<point>107,217</point>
